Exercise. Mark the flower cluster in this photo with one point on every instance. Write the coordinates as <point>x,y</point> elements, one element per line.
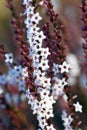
<point>43,106</point>
<point>58,90</point>
<point>67,121</point>
<point>16,73</point>
<point>59,84</point>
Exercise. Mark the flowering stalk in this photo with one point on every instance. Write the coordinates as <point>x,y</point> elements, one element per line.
<point>42,105</point>
<point>60,86</point>
<point>57,35</point>
<point>84,29</point>
<point>26,61</point>
<point>2,52</point>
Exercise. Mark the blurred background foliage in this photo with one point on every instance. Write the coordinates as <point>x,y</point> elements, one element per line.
<point>70,14</point>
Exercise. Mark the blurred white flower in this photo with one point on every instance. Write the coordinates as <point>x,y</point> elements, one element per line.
<point>3,79</point>
<point>65,97</point>
<point>56,4</point>
<point>83,41</point>
<point>75,70</point>
<point>1,91</point>
<point>72,80</point>
<point>72,60</point>
<point>83,80</point>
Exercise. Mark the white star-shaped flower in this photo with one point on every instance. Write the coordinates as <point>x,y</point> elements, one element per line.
<point>43,93</point>
<point>40,37</point>
<point>38,73</point>
<point>28,22</point>
<point>64,67</point>
<point>36,18</point>
<point>31,39</point>
<point>37,48</point>
<point>57,91</point>
<point>78,107</point>
<point>29,10</point>
<point>47,102</point>
<point>17,70</point>
<point>43,65</point>
<point>42,122</point>
<point>49,113</point>
<point>26,2</point>
<point>55,68</point>
<point>62,83</point>
<point>9,58</point>
<point>41,113</point>
<point>45,52</point>
<point>32,31</point>
<point>35,106</point>
<point>46,82</point>
<point>35,60</point>
<point>50,127</point>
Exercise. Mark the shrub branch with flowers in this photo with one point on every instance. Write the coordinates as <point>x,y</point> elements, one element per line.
<point>42,72</point>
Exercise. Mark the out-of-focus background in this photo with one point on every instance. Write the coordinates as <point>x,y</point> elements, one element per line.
<point>19,113</point>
